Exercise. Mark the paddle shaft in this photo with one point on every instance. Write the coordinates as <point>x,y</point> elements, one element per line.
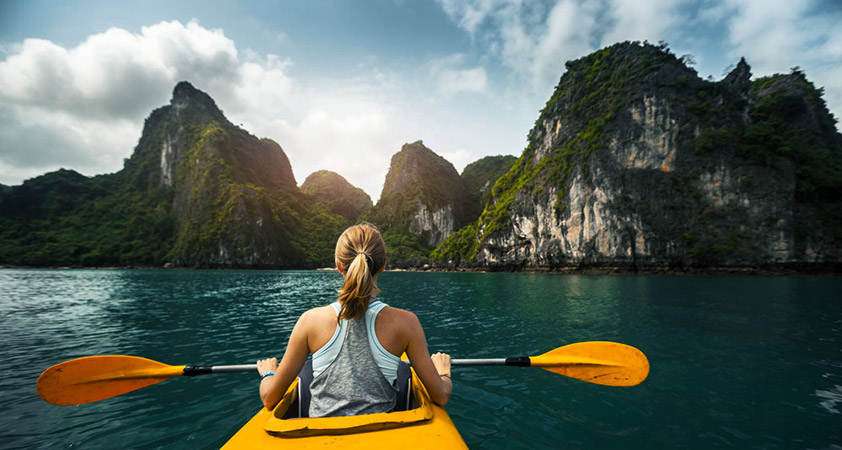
<point>522,361</point>
<point>190,370</point>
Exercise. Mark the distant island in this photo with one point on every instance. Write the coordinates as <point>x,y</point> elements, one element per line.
<point>635,164</point>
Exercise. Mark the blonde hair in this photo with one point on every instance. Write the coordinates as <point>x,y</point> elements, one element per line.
<point>360,255</point>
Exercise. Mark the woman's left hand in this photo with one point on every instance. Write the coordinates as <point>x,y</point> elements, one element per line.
<point>442,363</point>
<point>267,365</point>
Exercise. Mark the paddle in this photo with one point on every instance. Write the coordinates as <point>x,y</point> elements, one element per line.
<point>598,362</point>
<point>94,378</point>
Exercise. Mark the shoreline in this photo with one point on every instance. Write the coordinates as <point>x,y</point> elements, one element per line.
<point>777,270</point>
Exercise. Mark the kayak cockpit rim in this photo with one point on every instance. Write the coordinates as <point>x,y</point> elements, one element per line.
<point>283,423</point>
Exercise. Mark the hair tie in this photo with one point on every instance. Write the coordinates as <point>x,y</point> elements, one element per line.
<point>362,253</point>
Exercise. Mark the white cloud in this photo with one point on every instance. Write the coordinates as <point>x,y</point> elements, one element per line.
<point>775,35</point>
<point>452,77</point>
<point>765,32</point>
<point>467,80</point>
<point>116,73</point>
<point>534,39</point>
<point>459,158</point>
<point>83,107</point>
<point>262,86</point>
<point>36,140</point>
<point>356,145</point>
<point>651,20</point>
<point>471,14</point>
<point>567,36</point>
<point>529,38</point>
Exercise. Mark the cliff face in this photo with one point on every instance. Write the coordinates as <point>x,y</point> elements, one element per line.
<point>197,191</point>
<point>635,161</point>
<point>231,192</point>
<point>333,204</point>
<point>336,194</point>
<point>479,177</point>
<point>423,201</point>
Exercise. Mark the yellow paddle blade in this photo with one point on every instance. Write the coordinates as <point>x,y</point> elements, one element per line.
<point>606,363</point>
<point>95,378</point>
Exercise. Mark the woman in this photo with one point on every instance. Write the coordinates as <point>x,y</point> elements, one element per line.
<point>356,342</point>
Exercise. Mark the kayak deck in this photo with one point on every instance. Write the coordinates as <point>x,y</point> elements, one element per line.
<point>424,425</point>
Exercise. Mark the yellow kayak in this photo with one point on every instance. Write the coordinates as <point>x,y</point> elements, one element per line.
<point>425,425</point>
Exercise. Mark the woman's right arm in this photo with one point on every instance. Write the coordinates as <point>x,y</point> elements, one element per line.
<point>272,388</point>
<point>433,371</point>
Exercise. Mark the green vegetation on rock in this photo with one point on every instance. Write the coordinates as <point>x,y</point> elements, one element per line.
<point>592,126</point>
<point>633,160</point>
<point>334,205</point>
<point>479,176</point>
<point>197,191</point>
<point>790,119</point>
<point>417,178</point>
<point>65,218</point>
<point>590,94</point>
<point>336,194</point>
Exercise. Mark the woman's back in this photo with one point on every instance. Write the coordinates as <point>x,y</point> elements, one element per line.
<point>353,380</point>
<point>352,373</point>
<point>390,326</point>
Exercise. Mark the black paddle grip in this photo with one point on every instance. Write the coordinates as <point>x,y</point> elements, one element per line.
<point>190,371</point>
<point>521,361</point>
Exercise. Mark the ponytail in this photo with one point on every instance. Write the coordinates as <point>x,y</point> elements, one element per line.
<point>360,255</point>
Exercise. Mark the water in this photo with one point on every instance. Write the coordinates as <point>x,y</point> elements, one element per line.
<point>736,362</point>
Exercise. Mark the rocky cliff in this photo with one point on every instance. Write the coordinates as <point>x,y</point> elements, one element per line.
<point>197,191</point>
<point>423,201</point>
<point>336,194</point>
<point>333,204</point>
<point>634,162</point>
<point>233,194</point>
<point>637,162</point>
<point>479,176</point>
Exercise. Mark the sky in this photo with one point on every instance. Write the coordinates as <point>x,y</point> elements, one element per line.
<point>342,85</point>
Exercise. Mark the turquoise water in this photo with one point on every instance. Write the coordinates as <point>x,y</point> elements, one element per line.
<point>736,362</point>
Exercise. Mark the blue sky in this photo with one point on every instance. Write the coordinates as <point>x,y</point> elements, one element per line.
<point>341,85</point>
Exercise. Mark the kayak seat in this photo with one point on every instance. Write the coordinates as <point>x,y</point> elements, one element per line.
<point>404,386</point>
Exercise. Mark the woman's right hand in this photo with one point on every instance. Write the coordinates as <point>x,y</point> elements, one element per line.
<point>442,363</point>
<point>267,365</point>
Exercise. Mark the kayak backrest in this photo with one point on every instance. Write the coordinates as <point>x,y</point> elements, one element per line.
<point>304,379</point>
<point>404,385</point>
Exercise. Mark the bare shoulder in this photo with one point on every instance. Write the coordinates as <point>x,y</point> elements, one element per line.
<point>396,328</point>
<point>401,316</point>
<point>318,324</point>
<point>318,314</point>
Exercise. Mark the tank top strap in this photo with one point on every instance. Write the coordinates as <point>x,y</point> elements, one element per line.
<point>375,307</point>
<point>325,356</point>
<point>387,362</point>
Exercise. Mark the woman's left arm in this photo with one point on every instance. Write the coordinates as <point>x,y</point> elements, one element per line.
<point>435,374</point>
<point>273,387</point>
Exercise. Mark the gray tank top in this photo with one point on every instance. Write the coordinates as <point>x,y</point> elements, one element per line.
<point>353,384</point>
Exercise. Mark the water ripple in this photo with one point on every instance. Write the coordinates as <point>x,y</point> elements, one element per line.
<point>740,363</point>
